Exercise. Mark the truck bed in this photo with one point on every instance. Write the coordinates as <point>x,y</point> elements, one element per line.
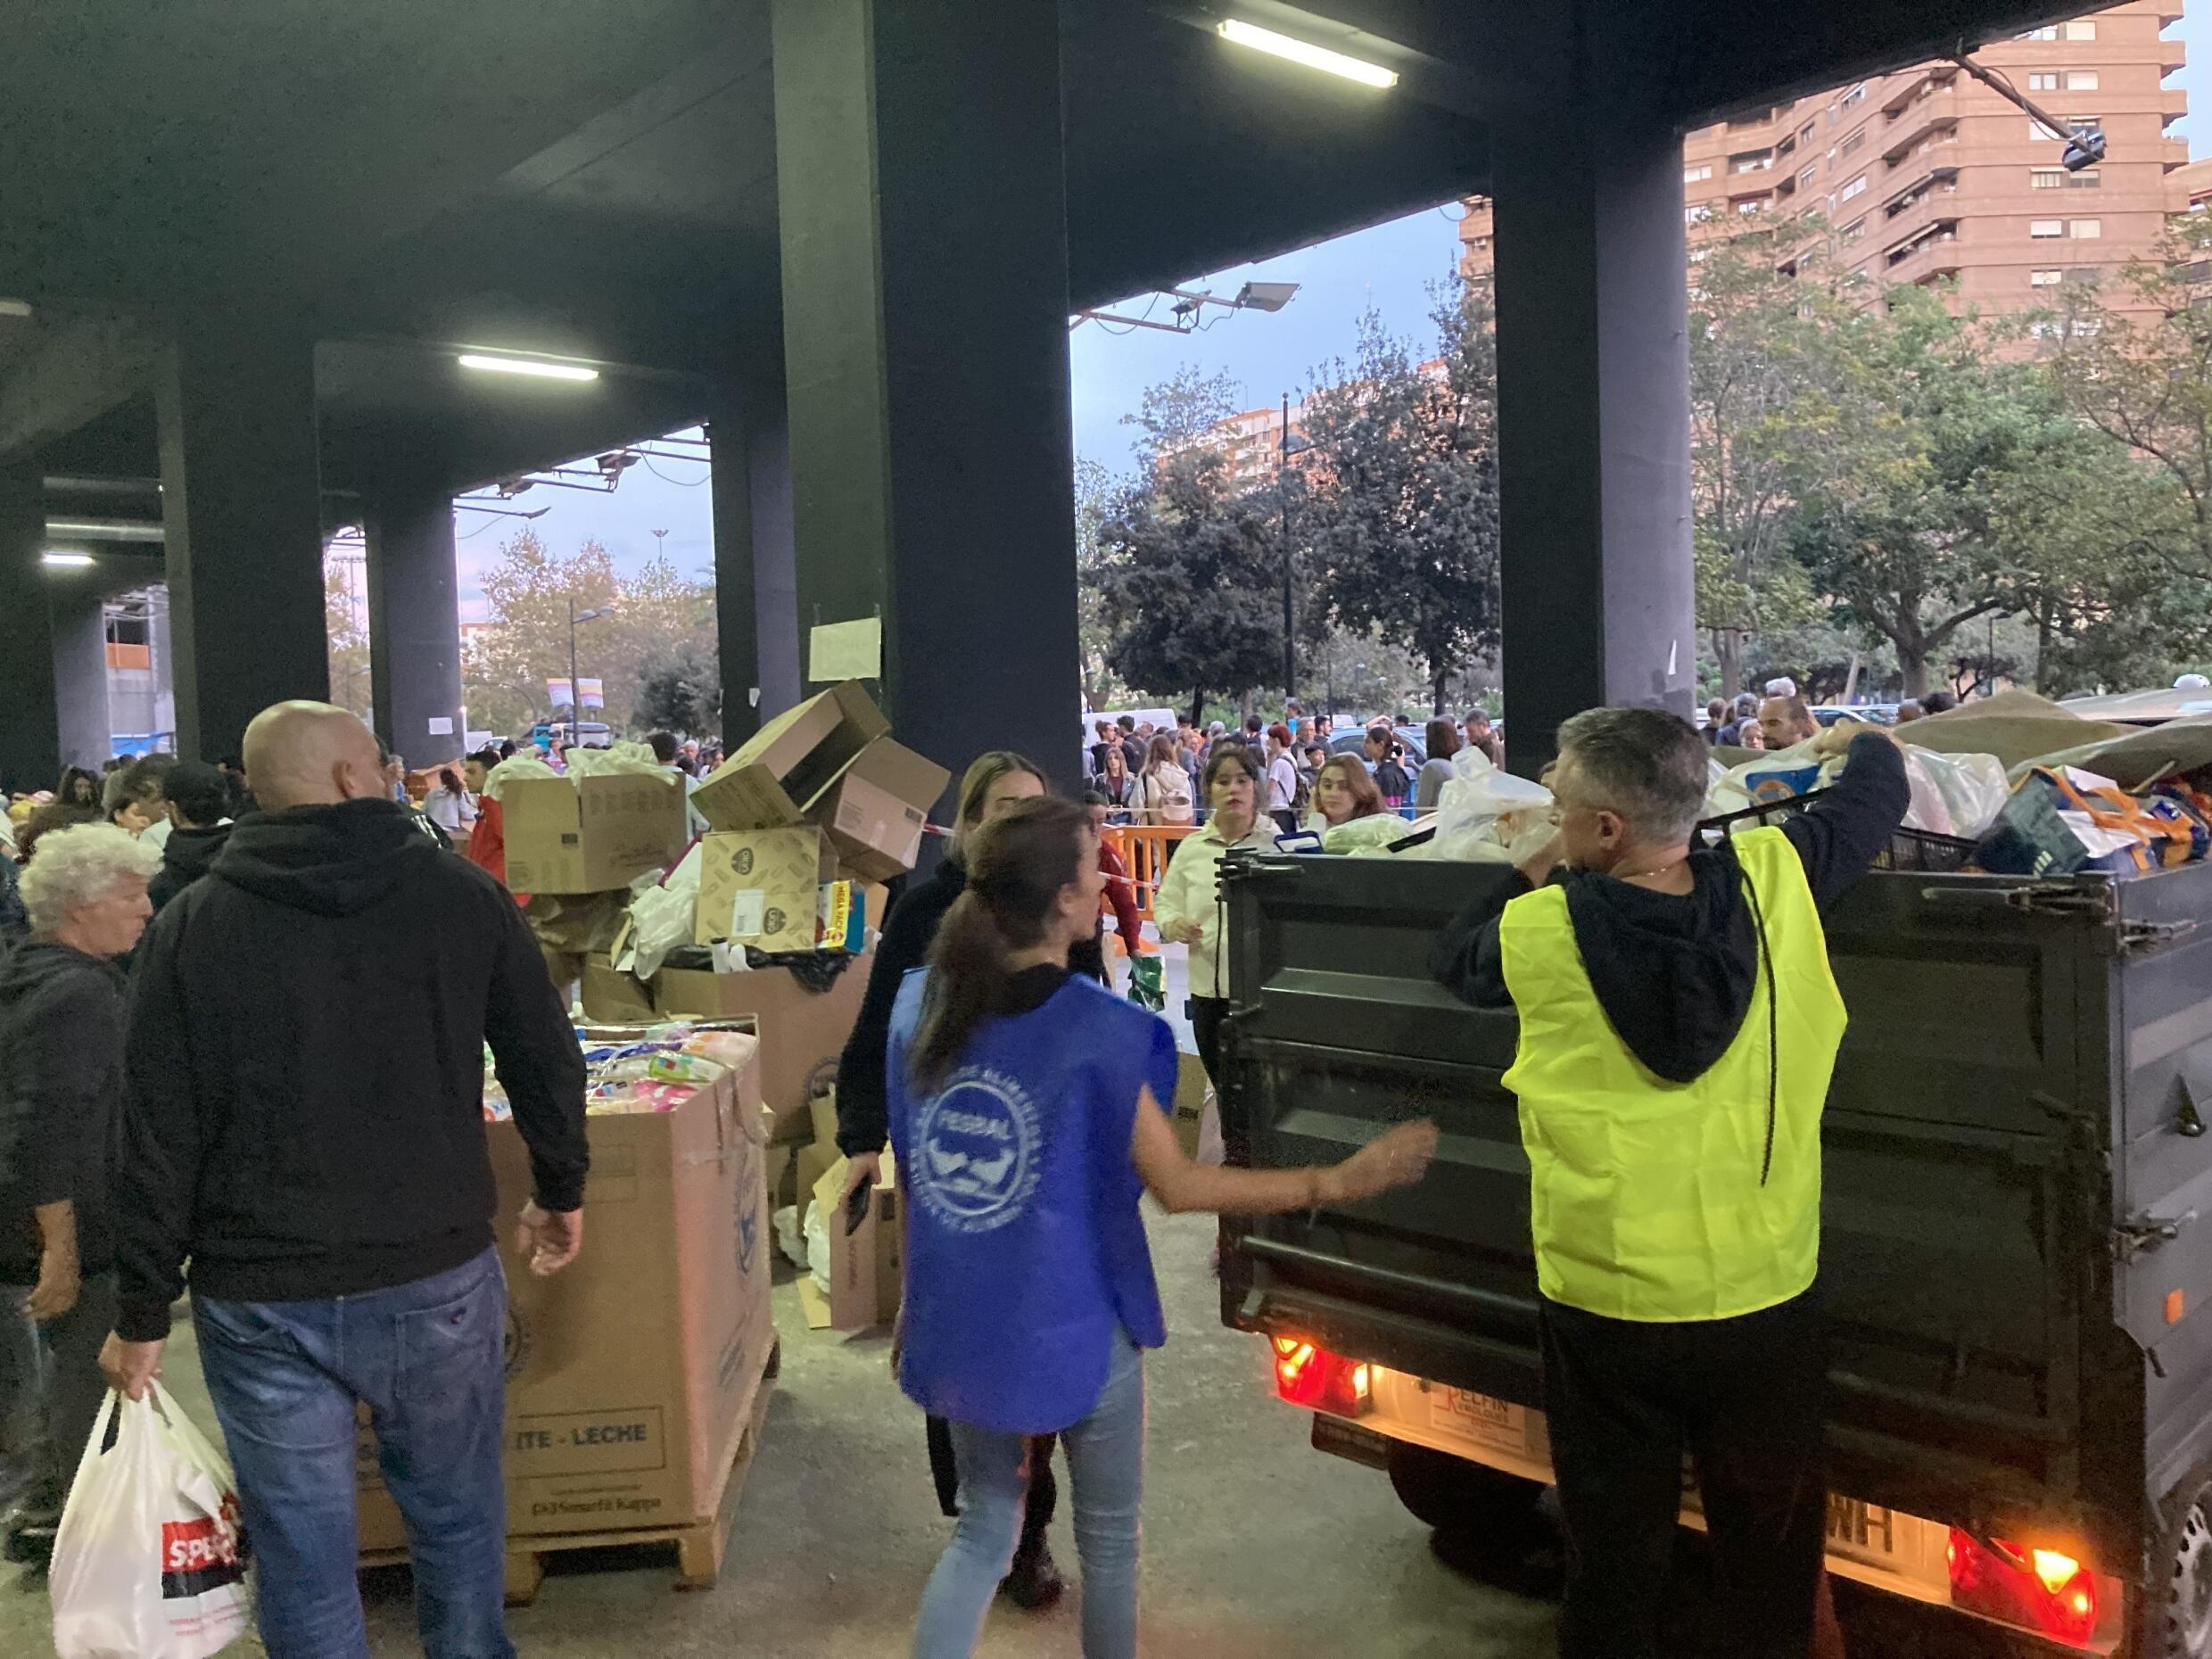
<point>2015,1127</point>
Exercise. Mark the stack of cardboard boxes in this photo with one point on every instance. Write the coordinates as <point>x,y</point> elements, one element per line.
<point>807,821</point>
<point>631,1375</point>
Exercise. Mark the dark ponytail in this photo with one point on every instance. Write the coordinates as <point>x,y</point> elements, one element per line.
<point>1018,865</point>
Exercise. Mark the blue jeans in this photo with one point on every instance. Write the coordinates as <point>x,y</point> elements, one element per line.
<point>427,1358</point>
<point>1106,1459</point>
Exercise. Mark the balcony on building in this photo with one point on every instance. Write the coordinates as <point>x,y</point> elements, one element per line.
<point>1930,253</point>
<point>1931,119</point>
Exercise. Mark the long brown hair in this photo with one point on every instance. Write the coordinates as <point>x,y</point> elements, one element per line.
<point>1367,799</point>
<point>1017,867</point>
<point>976,782</point>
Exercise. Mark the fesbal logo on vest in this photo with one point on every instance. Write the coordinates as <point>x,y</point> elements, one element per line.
<point>979,1139</point>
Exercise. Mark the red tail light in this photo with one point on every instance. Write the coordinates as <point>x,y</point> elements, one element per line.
<point>2033,1589</point>
<point>1315,1378</point>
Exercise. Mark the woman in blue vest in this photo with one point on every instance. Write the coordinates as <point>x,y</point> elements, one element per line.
<point>1026,1111</point>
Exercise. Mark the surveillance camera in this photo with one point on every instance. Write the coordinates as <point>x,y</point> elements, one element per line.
<point>2085,148</point>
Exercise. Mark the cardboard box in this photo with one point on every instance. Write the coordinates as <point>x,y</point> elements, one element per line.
<point>762,887</point>
<point>875,812</point>
<point>802,1032</point>
<point>1189,1107</point>
<point>590,835</point>
<point>631,1375</point>
<point>614,997</point>
<point>778,777</point>
<point>864,1267</point>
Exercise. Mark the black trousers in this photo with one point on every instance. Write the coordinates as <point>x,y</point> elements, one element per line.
<point>1743,1397</point>
<point>1207,1013</point>
<point>1044,1488</point>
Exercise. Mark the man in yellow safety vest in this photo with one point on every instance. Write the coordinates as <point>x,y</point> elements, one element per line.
<point>1678,1024</point>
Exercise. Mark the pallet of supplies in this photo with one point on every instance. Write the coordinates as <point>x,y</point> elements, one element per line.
<point>637,1378</point>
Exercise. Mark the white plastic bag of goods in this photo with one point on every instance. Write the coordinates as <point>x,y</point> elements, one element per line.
<point>633,759</point>
<point>817,1232</point>
<point>525,766</point>
<point>1366,835</point>
<point>1955,794</point>
<point>147,1562</point>
<point>662,918</point>
<point>1481,809</point>
<point>787,1240</point>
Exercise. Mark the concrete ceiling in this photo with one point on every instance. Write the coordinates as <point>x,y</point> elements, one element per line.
<point>599,181</point>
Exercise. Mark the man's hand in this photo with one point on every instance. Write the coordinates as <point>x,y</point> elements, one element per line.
<point>1834,740</point>
<point>1537,866</point>
<point>58,1283</point>
<point>550,1238</point>
<point>130,1366</point>
<point>860,1166</point>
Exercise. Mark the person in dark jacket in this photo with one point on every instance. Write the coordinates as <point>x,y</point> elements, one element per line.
<point>1678,1027</point>
<point>61,1085</point>
<point>992,786</point>
<point>303,1119</point>
<point>198,796</point>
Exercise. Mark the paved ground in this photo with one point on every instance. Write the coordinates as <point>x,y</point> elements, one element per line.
<point>1254,1544</point>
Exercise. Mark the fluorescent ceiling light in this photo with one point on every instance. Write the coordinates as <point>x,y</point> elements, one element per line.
<point>538,367</point>
<point>58,557</point>
<point>1304,52</point>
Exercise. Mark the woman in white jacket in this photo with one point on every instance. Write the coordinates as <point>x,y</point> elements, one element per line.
<point>1189,909</point>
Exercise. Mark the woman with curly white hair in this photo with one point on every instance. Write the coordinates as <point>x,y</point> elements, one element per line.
<point>61,1092</point>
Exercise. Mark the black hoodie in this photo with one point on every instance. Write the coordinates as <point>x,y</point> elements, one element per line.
<point>1673,971</point>
<point>304,1088</point>
<point>61,1085</point>
<point>186,856</point>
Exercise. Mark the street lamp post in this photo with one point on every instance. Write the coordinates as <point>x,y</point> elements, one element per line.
<point>575,687</point>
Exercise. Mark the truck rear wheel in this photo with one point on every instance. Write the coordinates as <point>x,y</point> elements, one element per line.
<point>1465,1498</point>
<point>2180,1609</point>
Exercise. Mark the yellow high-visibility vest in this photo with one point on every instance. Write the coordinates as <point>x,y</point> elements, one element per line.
<point>1663,1201</point>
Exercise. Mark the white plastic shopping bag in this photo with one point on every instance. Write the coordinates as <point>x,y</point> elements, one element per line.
<point>149,1561</point>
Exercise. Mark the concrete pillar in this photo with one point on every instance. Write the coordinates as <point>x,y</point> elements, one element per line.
<point>924,323</point>
<point>242,516</point>
<point>1593,385</point>
<point>30,751</point>
<point>756,571</point>
<point>414,622</point>
<point>80,672</point>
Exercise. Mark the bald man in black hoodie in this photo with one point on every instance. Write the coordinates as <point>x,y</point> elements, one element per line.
<point>303,1120</point>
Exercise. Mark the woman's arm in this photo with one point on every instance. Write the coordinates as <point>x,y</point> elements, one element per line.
<point>1398,1157</point>
<point>1171,906</point>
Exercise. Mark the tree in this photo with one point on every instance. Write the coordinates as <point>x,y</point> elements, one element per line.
<point>1183,411</point>
<point>1189,578</point>
<point>1901,481</point>
<point>1755,338</point>
<point>1402,511</point>
<point>345,622</point>
<point>1094,627</point>
<point>680,689</point>
<point>2143,379</point>
<point>656,615</point>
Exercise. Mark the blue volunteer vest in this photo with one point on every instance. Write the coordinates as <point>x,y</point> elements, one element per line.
<point>1025,1251</point>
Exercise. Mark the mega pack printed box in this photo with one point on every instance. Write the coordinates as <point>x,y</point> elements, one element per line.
<point>631,1374</point>
<point>590,835</point>
<point>802,1032</point>
<point>763,888</point>
<point>875,812</point>
<point>789,763</point>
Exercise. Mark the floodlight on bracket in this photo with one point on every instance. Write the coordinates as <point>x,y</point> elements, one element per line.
<point>1189,306</point>
<point>2085,140</point>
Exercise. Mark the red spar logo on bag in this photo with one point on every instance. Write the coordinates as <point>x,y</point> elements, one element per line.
<point>201,1555</point>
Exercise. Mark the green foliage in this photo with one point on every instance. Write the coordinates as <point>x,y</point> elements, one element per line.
<point>680,688</point>
<point>1189,579</point>
<point>658,619</point>
<point>1400,510</point>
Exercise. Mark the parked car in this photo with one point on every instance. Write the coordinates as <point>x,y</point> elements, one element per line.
<point>1354,742</point>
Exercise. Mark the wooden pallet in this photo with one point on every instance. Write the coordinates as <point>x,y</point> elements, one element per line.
<point>700,1544</point>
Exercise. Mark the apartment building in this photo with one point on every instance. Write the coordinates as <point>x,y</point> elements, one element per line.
<point>1928,176</point>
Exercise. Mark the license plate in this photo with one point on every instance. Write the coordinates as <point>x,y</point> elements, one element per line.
<point>1494,1423</point>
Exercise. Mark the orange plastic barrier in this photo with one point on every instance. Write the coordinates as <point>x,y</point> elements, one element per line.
<point>1143,848</point>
